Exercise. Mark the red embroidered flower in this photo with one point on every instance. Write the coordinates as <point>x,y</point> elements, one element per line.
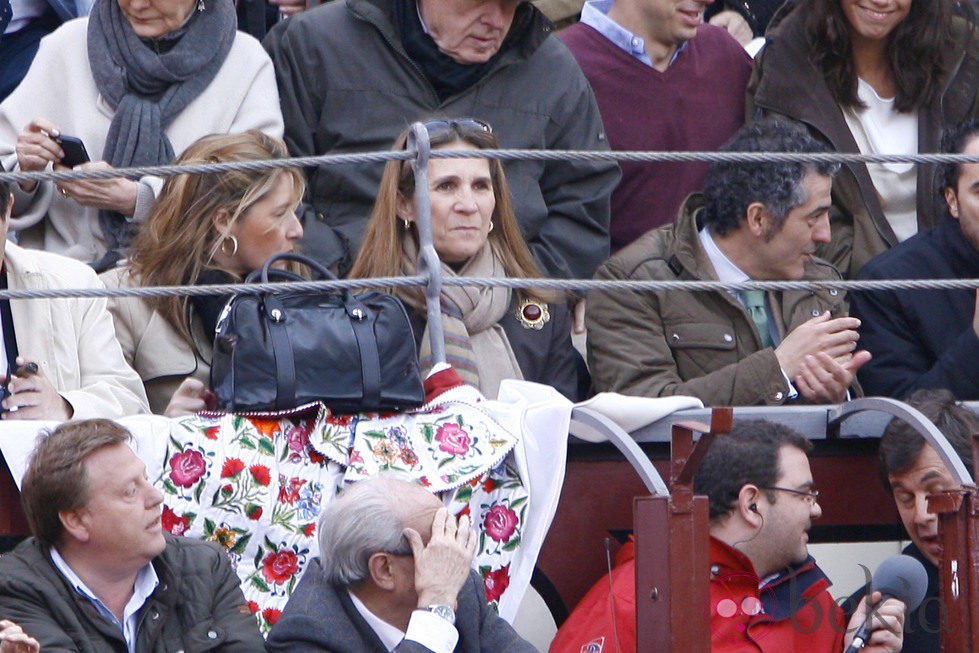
<point>252,607</point>
<point>408,457</point>
<point>261,474</point>
<point>289,492</point>
<point>464,511</point>
<point>227,490</point>
<point>500,522</point>
<point>253,512</point>
<point>316,457</point>
<point>187,468</point>
<point>495,582</point>
<point>424,481</point>
<point>340,420</point>
<point>309,529</point>
<point>279,566</point>
<point>212,433</point>
<point>355,457</point>
<point>174,523</point>
<point>271,615</point>
<point>231,468</point>
<point>453,439</point>
<point>489,485</point>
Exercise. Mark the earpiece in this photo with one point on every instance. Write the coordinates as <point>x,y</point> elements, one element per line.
<point>753,507</point>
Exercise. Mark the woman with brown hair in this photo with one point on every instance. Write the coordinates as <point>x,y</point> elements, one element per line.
<point>204,229</point>
<point>874,77</point>
<point>494,333</point>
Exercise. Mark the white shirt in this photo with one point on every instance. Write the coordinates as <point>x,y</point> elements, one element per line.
<point>880,129</point>
<point>146,582</point>
<point>426,628</point>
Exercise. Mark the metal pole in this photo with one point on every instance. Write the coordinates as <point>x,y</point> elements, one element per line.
<point>428,263</point>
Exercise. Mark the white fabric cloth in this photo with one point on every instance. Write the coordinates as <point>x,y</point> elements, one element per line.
<point>880,129</point>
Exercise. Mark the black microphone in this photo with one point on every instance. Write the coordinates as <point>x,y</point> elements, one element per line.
<point>901,577</point>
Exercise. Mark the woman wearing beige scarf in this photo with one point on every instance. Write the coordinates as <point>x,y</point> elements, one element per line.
<point>494,333</point>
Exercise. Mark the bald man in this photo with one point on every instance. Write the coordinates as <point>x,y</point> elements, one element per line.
<point>394,574</point>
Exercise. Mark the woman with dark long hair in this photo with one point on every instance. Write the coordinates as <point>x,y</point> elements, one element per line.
<point>875,77</point>
<point>491,333</point>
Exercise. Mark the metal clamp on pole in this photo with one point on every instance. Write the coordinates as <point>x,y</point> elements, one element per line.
<point>672,578</point>
<point>428,264</point>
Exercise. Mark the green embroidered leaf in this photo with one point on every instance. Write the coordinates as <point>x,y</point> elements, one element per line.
<point>512,544</point>
<point>208,527</point>
<point>464,494</point>
<point>260,584</point>
<point>517,502</point>
<point>246,442</point>
<point>169,487</point>
<point>446,461</point>
<point>197,492</point>
<point>241,544</point>
<point>266,447</point>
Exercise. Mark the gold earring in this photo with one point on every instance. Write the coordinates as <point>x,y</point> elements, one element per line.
<point>407,224</point>
<point>491,226</point>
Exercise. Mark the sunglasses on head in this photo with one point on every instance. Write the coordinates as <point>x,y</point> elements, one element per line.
<point>458,124</point>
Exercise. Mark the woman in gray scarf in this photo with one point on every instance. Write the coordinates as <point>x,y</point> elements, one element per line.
<point>137,81</point>
<point>491,334</point>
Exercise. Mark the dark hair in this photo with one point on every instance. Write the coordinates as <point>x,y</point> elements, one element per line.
<point>954,141</point>
<point>748,454</point>
<point>4,197</point>
<point>56,480</point>
<point>900,444</point>
<point>914,51</point>
<point>731,186</point>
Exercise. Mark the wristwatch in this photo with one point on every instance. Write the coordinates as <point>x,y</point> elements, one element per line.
<point>443,611</point>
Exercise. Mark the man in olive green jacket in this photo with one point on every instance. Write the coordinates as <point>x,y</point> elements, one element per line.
<point>754,221</point>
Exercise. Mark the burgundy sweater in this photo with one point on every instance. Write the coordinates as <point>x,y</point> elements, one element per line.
<point>695,105</point>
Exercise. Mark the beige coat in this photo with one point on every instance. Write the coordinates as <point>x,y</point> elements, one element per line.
<point>701,344</point>
<point>72,340</point>
<point>154,348</point>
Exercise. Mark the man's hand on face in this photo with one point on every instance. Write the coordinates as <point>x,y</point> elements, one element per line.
<point>886,627</point>
<point>442,567</point>
<point>836,337</point>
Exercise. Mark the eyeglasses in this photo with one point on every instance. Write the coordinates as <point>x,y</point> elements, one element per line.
<point>459,124</point>
<point>810,496</point>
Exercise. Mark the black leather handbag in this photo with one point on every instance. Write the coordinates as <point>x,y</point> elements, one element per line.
<point>279,350</point>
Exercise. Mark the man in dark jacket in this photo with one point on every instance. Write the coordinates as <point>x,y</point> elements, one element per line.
<point>911,469</point>
<point>928,338</point>
<point>99,574</point>
<point>394,573</point>
<point>353,74</point>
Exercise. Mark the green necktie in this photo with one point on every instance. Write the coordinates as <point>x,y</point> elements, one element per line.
<point>754,301</point>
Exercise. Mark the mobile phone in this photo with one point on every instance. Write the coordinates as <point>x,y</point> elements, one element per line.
<point>75,152</point>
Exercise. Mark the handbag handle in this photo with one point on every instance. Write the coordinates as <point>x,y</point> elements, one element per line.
<point>299,258</point>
